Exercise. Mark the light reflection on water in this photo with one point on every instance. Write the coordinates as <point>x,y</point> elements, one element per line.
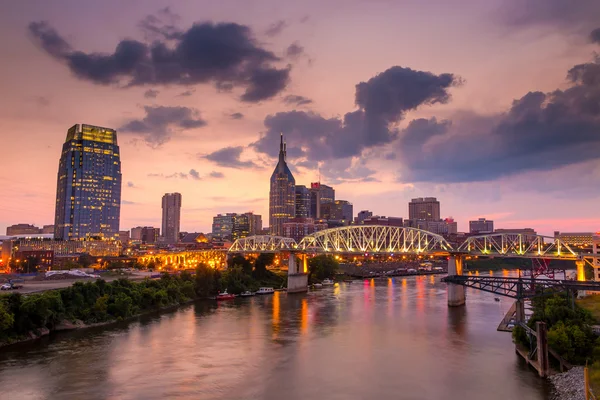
<point>373,339</point>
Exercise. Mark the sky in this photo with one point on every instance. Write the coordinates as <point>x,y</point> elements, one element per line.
<point>492,106</point>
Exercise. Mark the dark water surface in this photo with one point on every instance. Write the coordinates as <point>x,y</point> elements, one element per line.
<point>388,339</point>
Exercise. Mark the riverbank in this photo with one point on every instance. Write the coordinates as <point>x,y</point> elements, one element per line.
<point>568,385</point>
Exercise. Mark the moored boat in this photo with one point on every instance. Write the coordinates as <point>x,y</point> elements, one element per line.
<point>265,290</point>
<point>246,294</point>
<point>225,296</point>
<point>327,282</point>
<point>317,285</point>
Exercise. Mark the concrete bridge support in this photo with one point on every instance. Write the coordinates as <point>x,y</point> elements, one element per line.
<point>581,276</point>
<point>297,273</point>
<point>456,293</point>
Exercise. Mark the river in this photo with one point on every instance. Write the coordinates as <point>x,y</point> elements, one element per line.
<point>372,339</point>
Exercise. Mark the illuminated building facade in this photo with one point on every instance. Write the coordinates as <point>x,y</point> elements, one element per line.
<point>481,225</point>
<point>575,238</point>
<point>302,201</point>
<point>319,195</point>
<point>171,217</point>
<point>88,190</point>
<point>282,194</point>
<point>426,208</point>
<point>297,228</point>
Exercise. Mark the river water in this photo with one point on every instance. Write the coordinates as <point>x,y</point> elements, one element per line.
<point>372,339</point>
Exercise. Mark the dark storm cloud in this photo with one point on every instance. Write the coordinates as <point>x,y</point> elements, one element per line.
<point>225,54</point>
<point>296,100</point>
<point>540,131</point>
<point>236,115</point>
<point>151,93</point>
<point>565,14</point>
<point>216,174</point>
<point>160,123</point>
<point>276,28</point>
<point>382,102</point>
<point>294,50</point>
<point>595,36</point>
<point>229,157</point>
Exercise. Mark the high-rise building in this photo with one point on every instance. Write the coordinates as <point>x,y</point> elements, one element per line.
<point>255,223</point>
<point>427,208</point>
<point>22,229</point>
<point>222,226</point>
<point>302,201</point>
<point>362,215</point>
<point>339,210</point>
<point>124,237</point>
<point>88,191</point>
<point>481,225</point>
<point>145,234</point>
<point>320,194</point>
<point>171,217</point>
<point>282,194</point>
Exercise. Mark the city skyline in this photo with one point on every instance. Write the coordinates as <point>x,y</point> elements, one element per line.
<point>215,146</point>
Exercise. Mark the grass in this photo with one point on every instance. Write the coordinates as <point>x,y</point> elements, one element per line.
<point>592,304</point>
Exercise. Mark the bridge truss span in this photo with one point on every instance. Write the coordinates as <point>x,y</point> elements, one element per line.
<point>374,239</point>
<point>262,244</point>
<point>520,245</point>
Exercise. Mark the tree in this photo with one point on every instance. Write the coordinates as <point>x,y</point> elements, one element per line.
<point>85,260</point>
<point>322,266</point>
<point>261,263</point>
<point>7,319</point>
<point>241,261</point>
<point>30,264</point>
<point>206,280</point>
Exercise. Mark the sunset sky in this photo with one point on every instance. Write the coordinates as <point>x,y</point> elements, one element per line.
<point>492,106</point>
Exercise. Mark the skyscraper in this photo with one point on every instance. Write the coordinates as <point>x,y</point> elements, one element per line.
<point>171,215</point>
<point>282,194</point>
<point>427,209</point>
<point>320,194</point>
<point>302,201</point>
<point>88,190</point>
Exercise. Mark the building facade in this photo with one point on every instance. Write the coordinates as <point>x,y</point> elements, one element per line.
<point>320,194</point>
<point>88,190</point>
<point>22,229</point>
<point>145,234</point>
<point>282,194</point>
<point>338,210</point>
<point>362,215</point>
<point>222,226</point>
<point>426,208</point>
<point>523,231</point>
<point>583,239</point>
<point>297,228</point>
<point>171,217</point>
<point>383,220</point>
<point>48,229</point>
<point>302,201</point>
<point>481,225</point>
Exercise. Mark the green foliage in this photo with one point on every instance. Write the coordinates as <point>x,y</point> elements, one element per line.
<point>207,281</point>
<point>261,263</point>
<point>322,267</point>
<point>7,319</point>
<point>242,262</point>
<point>85,260</point>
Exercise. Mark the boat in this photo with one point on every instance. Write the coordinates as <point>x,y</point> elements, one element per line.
<point>265,290</point>
<point>225,296</point>
<point>317,285</point>
<point>246,294</point>
<point>327,282</point>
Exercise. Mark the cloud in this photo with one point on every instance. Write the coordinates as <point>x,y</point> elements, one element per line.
<point>195,174</point>
<point>229,157</point>
<point>578,15</point>
<point>382,102</point>
<point>216,174</point>
<point>276,28</point>
<point>294,50</point>
<point>130,184</point>
<point>236,115</point>
<point>128,203</point>
<point>151,93</point>
<point>595,36</point>
<point>224,54</point>
<point>42,101</point>
<point>187,93</point>
<point>162,25</point>
<point>292,99</point>
<point>160,123</point>
<point>539,132</point>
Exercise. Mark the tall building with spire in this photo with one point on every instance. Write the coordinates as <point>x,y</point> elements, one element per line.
<point>282,194</point>
<point>88,190</point>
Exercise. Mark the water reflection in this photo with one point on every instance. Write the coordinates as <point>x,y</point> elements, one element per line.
<point>393,338</point>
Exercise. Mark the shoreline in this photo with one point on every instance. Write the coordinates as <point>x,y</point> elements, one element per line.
<point>568,385</point>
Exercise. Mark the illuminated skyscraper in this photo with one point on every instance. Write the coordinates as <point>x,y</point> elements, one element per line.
<point>282,194</point>
<point>88,192</point>
<point>171,217</point>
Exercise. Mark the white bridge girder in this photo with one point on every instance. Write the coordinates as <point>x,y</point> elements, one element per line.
<point>520,245</point>
<point>262,244</point>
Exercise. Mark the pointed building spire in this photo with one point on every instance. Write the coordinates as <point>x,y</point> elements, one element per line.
<point>281,149</point>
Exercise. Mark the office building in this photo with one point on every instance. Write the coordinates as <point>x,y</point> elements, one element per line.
<point>145,234</point>
<point>426,208</point>
<point>297,228</point>
<point>282,194</point>
<point>240,227</point>
<point>362,215</point>
<point>222,226</point>
<point>88,190</point>
<point>523,231</point>
<point>124,237</point>
<point>171,216</point>
<point>383,220</point>
<point>255,224</point>
<point>481,225</point>
<point>48,230</point>
<point>320,194</point>
<point>22,229</point>
<point>302,201</point>
<point>339,210</point>
<point>582,239</point>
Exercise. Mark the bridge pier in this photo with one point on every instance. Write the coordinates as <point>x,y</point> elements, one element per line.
<point>456,293</point>
<point>297,273</point>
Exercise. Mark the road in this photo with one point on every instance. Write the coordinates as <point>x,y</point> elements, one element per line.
<point>32,286</point>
